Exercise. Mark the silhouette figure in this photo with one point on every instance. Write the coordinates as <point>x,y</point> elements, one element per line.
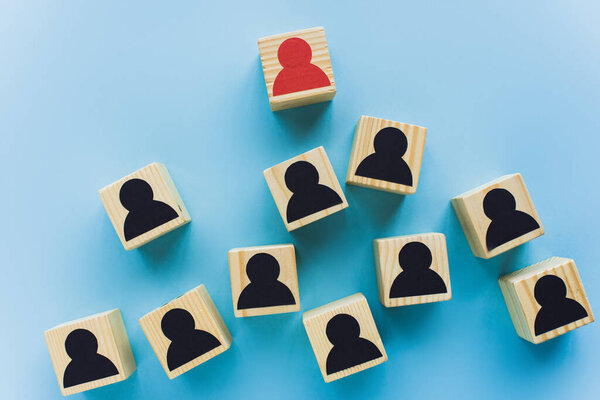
<point>187,343</point>
<point>264,290</point>
<point>349,349</point>
<point>416,279</point>
<point>386,163</point>
<point>298,73</point>
<point>507,222</point>
<point>86,364</point>
<point>557,310</point>
<point>145,214</point>
<point>309,197</point>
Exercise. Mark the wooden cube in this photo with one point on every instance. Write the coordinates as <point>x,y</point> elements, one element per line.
<point>546,299</point>
<point>386,155</point>
<point>186,331</point>
<point>90,352</point>
<point>412,269</point>
<point>344,337</point>
<point>264,280</point>
<point>498,216</point>
<point>144,206</point>
<point>297,68</point>
<point>305,188</point>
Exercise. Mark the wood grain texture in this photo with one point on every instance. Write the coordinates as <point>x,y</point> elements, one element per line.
<point>281,194</point>
<point>315,321</point>
<point>364,134</point>
<point>388,268</point>
<point>207,318</point>
<point>164,189</point>
<point>286,257</point>
<point>268,47</point>
<point>469,210</point>
<point>113,343</point>
<point>518,290</point>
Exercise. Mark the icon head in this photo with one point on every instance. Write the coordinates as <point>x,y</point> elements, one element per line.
<point>415,256</point>
<point>294,52</point>
<point>81,344</point>
<point>342,328</point>
<point>549,289</point>
<point>262,268</point>
<point>300,176</point>
<point>498,202</point>
<point>390,140</point>
<point>177,323</point>
<point>135,193</point>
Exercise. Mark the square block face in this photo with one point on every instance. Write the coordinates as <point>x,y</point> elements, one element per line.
<point>90,352</point>
<point>297,68</point>
<point>274,285</point>
<point>344,337</point>
<point>186,332</point>
<point>144,206</point>
<point>396,164</point>
<point>317,192</point>
<point>546,299</point>
<point>498,216</point>
<point>412,269</point>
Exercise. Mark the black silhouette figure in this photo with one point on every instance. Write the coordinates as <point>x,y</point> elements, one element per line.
<point>557,310</point>
<point>386,163</point>
<point>416,279</point>
<point>264,290</point>
<point>349,349</point>
<point>86,364</point>
<point>309,197</point>
<point>145,213</point>
<point>187,343</point>
<point>507,222</point>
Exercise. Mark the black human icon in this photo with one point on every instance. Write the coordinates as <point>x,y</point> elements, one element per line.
<point>187,342</point>
<point>386,163</point>
<point>86,364</point>
<point>416,278</point>
<point>508,223</point>
<point>309,197</point>
<point>557,310</point>
<point>349,349</point>
<point>264,290</point>
<point>145,213</point>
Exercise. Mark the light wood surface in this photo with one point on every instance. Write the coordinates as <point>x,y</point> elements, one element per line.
<point>469,210</point>
<point>518,290</point>
<point>387,267</point>
<point>315,322</point>
<point>164,189</point>
<point>364,134</point>
<point>285,256</point>
<point>207,318</point>
<point>113,343</point>
<point>281,194</point>
<point>268,47</point>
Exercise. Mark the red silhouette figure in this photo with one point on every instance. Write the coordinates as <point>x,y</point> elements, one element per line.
<point>298,73</point>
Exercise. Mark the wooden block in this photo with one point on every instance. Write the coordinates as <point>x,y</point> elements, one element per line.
<point>412,269</point>
<point>386,155</point>
<point>546,299</point>
<point>144,206</point>
<point>264,280</point>
<point>297,68</point>
<point>344,337</point>
<point>90,352</point>
<point>498,216</point>
<point>186,331</point>
<point>316,190</point>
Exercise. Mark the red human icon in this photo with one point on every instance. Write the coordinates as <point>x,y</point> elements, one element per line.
<point>298,73</point>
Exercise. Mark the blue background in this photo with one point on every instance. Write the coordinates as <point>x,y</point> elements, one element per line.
<point>91,92</point>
